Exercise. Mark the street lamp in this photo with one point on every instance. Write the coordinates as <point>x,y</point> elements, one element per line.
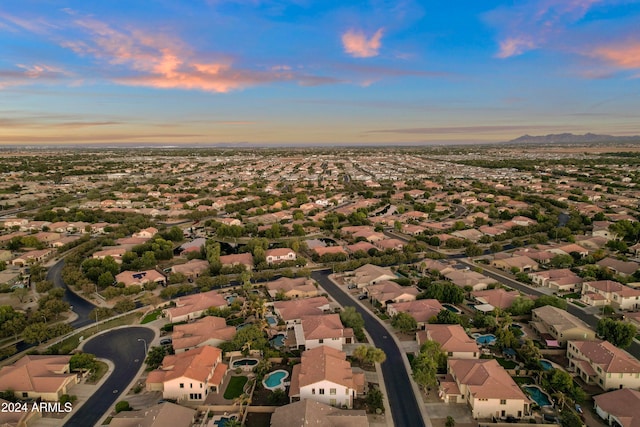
<point>145,344</point>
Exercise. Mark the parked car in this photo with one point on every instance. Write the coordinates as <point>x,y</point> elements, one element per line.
<point>166,341</point>
<point>362,296</point>
<point>352,286</point>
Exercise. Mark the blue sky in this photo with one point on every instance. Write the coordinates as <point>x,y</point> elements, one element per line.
<point>313,72</point>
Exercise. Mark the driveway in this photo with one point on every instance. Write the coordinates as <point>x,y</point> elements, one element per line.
<point>122,348</point>
<point>402,401</point>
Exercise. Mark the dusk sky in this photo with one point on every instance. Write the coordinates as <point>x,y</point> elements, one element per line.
<point>311,72</point>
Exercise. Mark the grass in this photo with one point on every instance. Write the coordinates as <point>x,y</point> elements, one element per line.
<point>151,316</point>
<point>523,380</point>
<point>98,373</point>
<point>579,304</point>
<point>72,342</point>
<point>573,295</point>
<point>235,387</point>
<point>383,316</point>
<point>507,364</point>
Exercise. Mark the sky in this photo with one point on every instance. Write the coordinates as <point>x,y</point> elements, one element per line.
<point>316,72</point>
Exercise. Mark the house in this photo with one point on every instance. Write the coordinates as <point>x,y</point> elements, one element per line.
<point>453,340</point>
<point>280,254</point>
<point>562,279</point>
<point>361,246</point>
<point>386,292</point>
<point>619,407</point>
<point>189,376</point>
<point>32,257</point>
<point>38,377</point>
<point>325,329</point>
<point>147,233</point>
<point>520,263</point>
<point>17,418</point>
<point>193,246</point>
<point>300,287</point>
<point>245,259</point>
<point>569,249</point>
<point>497,297</point>
<point>192,306</point>
<point>422,310</point>
<point>602,363</point>
<point>191,269</point>
<point>623,268</point>
<point>601,229</point>
<point>140,278</point>
<point>293,311</point>
<point>165,414</point>
<point>209,330</point>
<point>115,253</point>
<point>320,250</point>
<point>609,292</point>
<point>324,375</point>
<point>369,274</point>
<point>307,412</point>
<point>468,278</point>
<point>555,326</point>
<point>470,234</point>
<point>486,387</point>
<point>390,244</point>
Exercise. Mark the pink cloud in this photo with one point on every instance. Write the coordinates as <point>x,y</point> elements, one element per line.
<point>514,46</point>
<point>625,56</point>
<point>356,43</point>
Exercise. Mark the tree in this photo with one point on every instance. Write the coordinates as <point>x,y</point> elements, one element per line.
<point>82,362</point>
<point>155,357</point>
<point>44,286</point>
<point>550,300</point>
<point>618,333</point>
<point>451,422</point>
<point>443,292</point>
<point>375,400</point>
<point>404,322</point>
<point>35,333</point>
<point>495,247</point>
<point>561,261</point>
<point>352,319</point>
<point>369,355</point>
<point>425,364</point>
<point>473,250</point>
<point>445,317</point>
<point>530,354</point>
<point>123,405</point>
<point>521,305</point>
<point>570,419</point>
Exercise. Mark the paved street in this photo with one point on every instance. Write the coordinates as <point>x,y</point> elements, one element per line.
<point>122,348</point>
<point>402,401</point>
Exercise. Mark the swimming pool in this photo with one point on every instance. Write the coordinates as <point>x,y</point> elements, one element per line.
<point>486,339</point>
<point>452,308</point>
<point>539,396</point>
<point>240,363</point>
<point>546,365</point>
<point>272,320</point>
<point>223,421</point>
<point>277,340</point>
<point>275,379</point>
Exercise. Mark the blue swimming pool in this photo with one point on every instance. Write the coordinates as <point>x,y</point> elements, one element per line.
<point>539,396</point>
<point>272,320</point>
<point>223,421</point>
<point>275,379</point>
<point>546,365</point>
<point>486,339</point>
<point>277,340</point>
<point>243,362</point>
<point>452,308</point>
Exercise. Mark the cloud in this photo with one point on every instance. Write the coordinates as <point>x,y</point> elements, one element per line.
<point>535,23</point>
<point>28,74</point>
<point>625,56</point>
<point>356,43</point>
<point>468,129</point>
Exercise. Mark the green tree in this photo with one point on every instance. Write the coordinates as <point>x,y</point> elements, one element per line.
<point>375,400</point>
<point>495,247</point>
<point>618,333</point>
<point>123,405</point>
<point>404,322</point>
<point>82,362</point>
<point>550,300</point>
<point>445,317</point>
<point>155,357</point>
<point>521,305</point>
<point>473,250</point>
<point>35,333</point>
<point>425,364</point>
<point>352,319</point>
<point>450,422</point>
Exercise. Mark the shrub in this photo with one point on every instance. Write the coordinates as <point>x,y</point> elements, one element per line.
<point>123,405</point>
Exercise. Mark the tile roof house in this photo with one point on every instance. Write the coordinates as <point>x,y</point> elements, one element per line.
<point>602,363</point>
<point>324,375</point>
<point>208,330</point>
<point>619,407</point>
<point>140,278</point>
<point>147,233</point>
<point>189,376</point>
<point>453,340</point>
<point>555,326</point>
<point>464,278</point>
<point>165,414</point>
<point>115,253</point>
<point>36,376</point>
<point>624,268</point>
<point>245,259</point>
<point>300,287</point>
<point>521,262</point>
<point>192,306</point>
<point>27,258</point>
<point>422,309</point>
<point>293,311</point>
<point>486,387</point>
<point>325,329</point>
<point>191,269</point>
<point>386,292</point>
<point>497,297</point>
<point>361,246</point>
<point>308,412</point>
<point>558,280</point>
<point>280,254</point>
<point>369,274</point>
<point>605,292</point>
<point>390,244</point>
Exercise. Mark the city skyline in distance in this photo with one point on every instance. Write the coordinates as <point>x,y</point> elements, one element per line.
<point>305,72</point>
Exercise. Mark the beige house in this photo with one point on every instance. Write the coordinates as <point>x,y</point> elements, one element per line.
<point>453,340</point>
<point>192,306</point>
<point>164,414</point>
<point>115,253</point>
<point>32,257</point>
<point>189,376</point>
<point>422,309</point>
<point>386,292</point>
<point>603,364</point>
<point>324,375</point>
<point>191,269</point>
<point>325,329</point>
<point>369,274</point>
<point>300,287</point>
<point>497,297</point>
<point>293,311</point>
<point>280,254</point>
<point>555,326</point>
<point>522,263</point>
<point>558,280</point>
<point>147,233</point>
<point>463,278</point>
<point>619,407</point>
<point>609,292</point>
<point>308,412</point>
<point>209,330</point>
<point>35,376</point>
<point>140,278</point>
<point>486,387</point>
<point>245,259</point>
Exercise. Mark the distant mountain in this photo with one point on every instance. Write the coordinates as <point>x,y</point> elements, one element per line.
<point>570,138</point>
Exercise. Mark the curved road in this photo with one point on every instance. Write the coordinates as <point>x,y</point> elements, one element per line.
<point>120,346</point>
<point>81,306</point>
<point>402,401</point>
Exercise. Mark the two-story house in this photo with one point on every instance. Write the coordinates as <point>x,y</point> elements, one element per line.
<point>602,363</point>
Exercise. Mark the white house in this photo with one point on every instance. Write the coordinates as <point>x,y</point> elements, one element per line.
<point>280,254</point>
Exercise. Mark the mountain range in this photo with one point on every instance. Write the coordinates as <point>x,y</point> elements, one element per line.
<point>570,138</point>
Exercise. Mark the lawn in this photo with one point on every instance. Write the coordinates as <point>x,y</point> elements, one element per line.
<point>98,373</point>
<point>573,295</point>
<point>151,316</point>
<point>235,387</point>
<point>579,304</point>
<point>507,364</point>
